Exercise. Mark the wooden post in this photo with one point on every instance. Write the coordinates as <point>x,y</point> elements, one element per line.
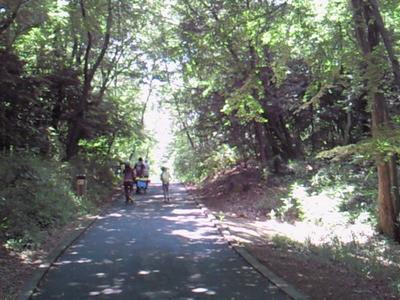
<point>81,185</point>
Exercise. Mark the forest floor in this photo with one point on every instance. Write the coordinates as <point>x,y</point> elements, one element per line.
<point>235,197</point>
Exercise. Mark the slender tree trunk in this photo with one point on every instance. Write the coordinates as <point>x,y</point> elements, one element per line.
<point>261,142</point>
<point>273,148</point>
<point>76,128</point>
<point>185,127</point>
<point>386,39</point>
<point>395,190</point>
<point>109,146</point>
<point>292,143</point>
<point>291,150</point>
<point>147,101</point>
<point>347,130</point>
<point>181,119</point>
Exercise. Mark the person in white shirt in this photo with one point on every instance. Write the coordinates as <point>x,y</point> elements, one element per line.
<point>165,177</point>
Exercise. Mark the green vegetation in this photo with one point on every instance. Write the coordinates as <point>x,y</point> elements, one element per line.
<point>343,190</point>
<point>275,84</point>
<point>58,115</point>
<point>37,195</point>
<point>332,214</point>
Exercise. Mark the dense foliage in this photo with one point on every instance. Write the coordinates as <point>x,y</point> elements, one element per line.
<point>279,81</point>
<point>58,115</point>
<point>267,82</point>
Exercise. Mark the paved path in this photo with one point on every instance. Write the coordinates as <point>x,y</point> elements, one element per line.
<point>153,250</point>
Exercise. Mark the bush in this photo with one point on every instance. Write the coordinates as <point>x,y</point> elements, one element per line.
<point>330,193</point>
<point>195,165</point>
<point>100,177</point>
<point>35,195</point>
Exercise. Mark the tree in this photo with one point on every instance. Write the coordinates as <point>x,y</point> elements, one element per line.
<point>90,67</point>
<point>23,117</point>
<point>368,28</point>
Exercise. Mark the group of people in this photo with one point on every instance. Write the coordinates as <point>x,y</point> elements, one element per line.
<point>141,170</point>
<point>130,177</point>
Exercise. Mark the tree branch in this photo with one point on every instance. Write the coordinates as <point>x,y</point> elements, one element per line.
<point>386,40</point>
<point>9,21</point>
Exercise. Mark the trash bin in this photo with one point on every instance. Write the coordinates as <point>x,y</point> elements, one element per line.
<point>81,184</point>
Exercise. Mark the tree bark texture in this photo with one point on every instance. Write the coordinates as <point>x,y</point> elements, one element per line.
<point>387,174</point>
<point>367,29</point>
<point>262,142</point>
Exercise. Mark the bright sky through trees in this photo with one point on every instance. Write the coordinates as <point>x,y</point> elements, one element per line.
<point>157,121</point>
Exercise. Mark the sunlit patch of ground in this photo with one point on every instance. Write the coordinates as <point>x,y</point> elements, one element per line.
<point>301,232</point>
<point>325,257</point>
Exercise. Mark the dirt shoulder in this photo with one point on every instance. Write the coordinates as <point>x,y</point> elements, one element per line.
<point>311,273</point>
<point>16,268</point>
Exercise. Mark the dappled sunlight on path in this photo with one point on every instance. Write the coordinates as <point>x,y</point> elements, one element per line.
<point>154,250</point>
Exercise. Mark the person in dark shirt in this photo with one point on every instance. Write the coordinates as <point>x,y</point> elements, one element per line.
<point>129,180</point>
<point>139,167</point>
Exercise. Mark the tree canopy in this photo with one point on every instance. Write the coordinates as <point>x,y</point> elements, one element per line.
<point>265,82</point>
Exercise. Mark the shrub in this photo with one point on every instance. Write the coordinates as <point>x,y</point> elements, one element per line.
<point>100,177</point>
<point>35,194</point>
<point>195,165</point>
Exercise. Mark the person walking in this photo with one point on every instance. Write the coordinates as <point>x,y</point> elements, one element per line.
<point>139,167</point>
<point>128,181</point>
<point>165,177</point>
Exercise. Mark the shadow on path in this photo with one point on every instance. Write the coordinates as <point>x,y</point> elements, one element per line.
<point>154,250</point>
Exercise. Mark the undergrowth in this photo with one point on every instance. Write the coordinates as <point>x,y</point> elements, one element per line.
<point>38,194</point>
<point>336,220</point>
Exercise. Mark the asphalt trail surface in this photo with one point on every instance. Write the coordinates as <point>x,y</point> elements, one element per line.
<point>154,250</point>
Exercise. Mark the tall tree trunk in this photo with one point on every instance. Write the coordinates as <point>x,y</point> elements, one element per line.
<point>367,31</point>
<point>151,87</point>
<point>347,129</point>
<point>181,119</point>
<point>395,189</point>
<point>185,126</point>
<point>258,126</point>
<point>292,143</point>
